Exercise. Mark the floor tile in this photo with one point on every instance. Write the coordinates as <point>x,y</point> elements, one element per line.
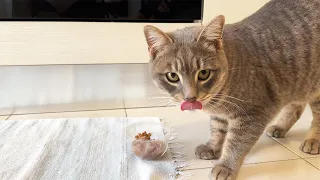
<point>314,161</point>
<point>3,117</point>
<point>297,133</point>
<point>89,114</point>
<point>266,150</point>
<point>281,170</point>
<point>193,128</point>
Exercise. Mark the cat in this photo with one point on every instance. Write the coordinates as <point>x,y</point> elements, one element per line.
<point>243,75</point>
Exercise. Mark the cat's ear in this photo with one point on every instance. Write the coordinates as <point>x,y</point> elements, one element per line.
<point>212,32</point>
<point>155,39</point>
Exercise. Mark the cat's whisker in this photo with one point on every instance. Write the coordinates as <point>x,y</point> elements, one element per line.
<point>166,103</point>
<point>173,101</point>
<point>236,93</point>
<point>163,102</point>
<point>222,95</point>
<point>231,103</point>
<point>157,93</point>
<point>208,58</point>
<point>211,106</point>
<point>237,106</point>
<point>155,98</point>
<point>222,106</point>
<point>205,98</point>
<point>239,68</point>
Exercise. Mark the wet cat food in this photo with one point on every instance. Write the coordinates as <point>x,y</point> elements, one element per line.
<point>146,148</point>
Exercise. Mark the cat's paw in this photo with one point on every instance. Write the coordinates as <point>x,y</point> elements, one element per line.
<point>311,146</point>
<point>275,131</point>
<point>205,152</point>
<point>220,172</point>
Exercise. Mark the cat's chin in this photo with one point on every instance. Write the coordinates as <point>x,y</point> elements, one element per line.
<point>191,111</point>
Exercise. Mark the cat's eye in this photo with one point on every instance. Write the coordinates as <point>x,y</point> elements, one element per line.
<point>204,74</point>
<point>172,77</point>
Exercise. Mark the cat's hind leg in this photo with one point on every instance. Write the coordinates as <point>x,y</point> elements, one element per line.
<point>288,117</point>
<point>311,144</point>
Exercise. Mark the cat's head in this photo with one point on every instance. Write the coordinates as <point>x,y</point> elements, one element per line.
<point>190,63</point>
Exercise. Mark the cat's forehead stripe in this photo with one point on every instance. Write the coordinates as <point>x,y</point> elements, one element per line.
<point>184,60</point>
<point>175,66</point>
<point>197,63</point>
<point>179,65</point>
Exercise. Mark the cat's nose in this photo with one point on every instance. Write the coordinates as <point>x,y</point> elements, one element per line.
<point>190,99</point>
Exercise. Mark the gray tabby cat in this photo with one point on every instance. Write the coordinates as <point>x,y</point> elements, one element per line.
<point>243,75</point>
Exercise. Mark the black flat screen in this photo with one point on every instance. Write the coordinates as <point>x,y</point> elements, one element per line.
<point>102,10</point>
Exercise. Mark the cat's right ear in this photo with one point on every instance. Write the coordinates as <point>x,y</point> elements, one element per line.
<point>155,39</point>
<point>212,32</point>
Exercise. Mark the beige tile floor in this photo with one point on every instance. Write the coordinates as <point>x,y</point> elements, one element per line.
<point>3,117</point>
<point>270,159</point>
<point>297,134</point>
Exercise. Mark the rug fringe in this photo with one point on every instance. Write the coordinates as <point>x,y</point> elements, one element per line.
<point>178,157</point>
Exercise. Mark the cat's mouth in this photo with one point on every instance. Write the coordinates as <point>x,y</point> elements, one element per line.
<point>190,106</point>
<point>207,101</point>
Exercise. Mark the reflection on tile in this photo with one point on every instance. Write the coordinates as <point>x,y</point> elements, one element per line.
<point>60,88</point>
<point>148,100</point>
<point>314,161</point>
<point>5,111</point>
<point>139,90</point>
<point>282,170</point>
<point>193,128</point>
<point>296,135</point>
<point>3,117</point>
<point>36,89</point>
<point>25,86</point>
<point>93,105</point>
<point>148,96</point>
<point>82,114</point>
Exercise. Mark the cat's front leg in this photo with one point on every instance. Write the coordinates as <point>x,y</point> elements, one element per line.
<point>242,134</point>
<point>212,149</point>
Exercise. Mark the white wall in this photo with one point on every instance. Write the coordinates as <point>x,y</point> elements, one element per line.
<point>234,10</point>
<point>35,43</point>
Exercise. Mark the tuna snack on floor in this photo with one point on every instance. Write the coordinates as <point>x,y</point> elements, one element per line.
<point>146,148</point>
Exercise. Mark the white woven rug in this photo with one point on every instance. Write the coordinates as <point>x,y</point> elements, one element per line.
<point>80,148</point>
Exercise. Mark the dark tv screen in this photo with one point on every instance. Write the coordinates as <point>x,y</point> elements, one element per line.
<point>102,10</point>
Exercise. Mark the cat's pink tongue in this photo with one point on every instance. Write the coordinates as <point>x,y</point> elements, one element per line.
<point>191,105</point>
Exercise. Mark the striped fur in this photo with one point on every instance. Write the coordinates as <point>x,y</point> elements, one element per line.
<point>264,64</point>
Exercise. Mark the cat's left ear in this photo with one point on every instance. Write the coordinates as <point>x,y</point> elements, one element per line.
<point>155,39</point>
<point>212,32</point>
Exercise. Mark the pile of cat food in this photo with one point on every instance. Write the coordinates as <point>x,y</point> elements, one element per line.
<point>146,148</point>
